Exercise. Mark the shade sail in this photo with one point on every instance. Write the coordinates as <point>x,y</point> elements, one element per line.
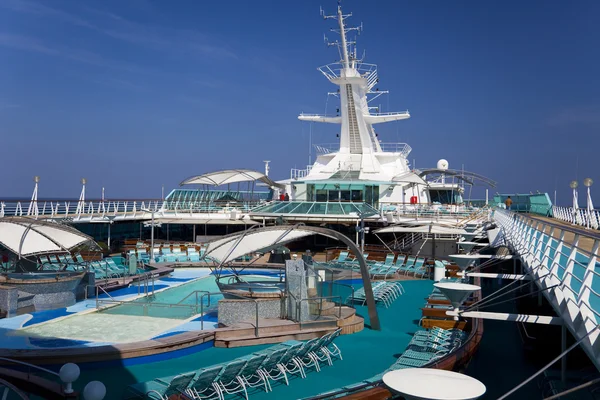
<point>421,229</point>
<point>24,236</point>
<point>227,176</point>
<point>233,246</point>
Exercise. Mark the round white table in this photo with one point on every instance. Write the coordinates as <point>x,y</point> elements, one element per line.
<point>433,384</point>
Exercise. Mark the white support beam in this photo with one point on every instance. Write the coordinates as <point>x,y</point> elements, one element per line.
<point>531,319</point>
<point>503,276</point>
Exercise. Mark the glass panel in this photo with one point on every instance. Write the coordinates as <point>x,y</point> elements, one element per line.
<point>369,194</point>
<point>310,192</point>
<point>345,195</point>
<point>318,208</point>
<point>321,195</point>
<point>349,208</point>
<point>333,195</point>
<point>303,208</point>
<point>357,195</point>
<point>376,196</point>
<point>334,208</point>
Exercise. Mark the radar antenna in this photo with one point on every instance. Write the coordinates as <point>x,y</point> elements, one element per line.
<point>346,48</point>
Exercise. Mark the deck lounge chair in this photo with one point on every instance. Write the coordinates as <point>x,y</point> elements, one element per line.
<point>272,369</point>
<point>204,386</point>
<point>163,389</point>
<point>418,264</point>
<point>230,382</point>
<point>251,375</point>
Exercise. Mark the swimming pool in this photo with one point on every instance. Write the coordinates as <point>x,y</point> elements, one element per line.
<point>364,354</point>
<point>173,308</point>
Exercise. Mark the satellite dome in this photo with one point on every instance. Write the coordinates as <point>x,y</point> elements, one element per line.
<point>442,164</point>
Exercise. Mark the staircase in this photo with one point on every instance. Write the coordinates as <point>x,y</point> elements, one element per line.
<point>354,134</point>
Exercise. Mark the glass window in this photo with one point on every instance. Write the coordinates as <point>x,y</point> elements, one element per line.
<point>357,195</point>
<point>321,195</point>
<point>369,194</point>
<point>345,195</point>
<point>310,192</point>
<point>334,195</point>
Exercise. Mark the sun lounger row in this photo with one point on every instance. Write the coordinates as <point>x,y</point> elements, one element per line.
<point>384,292</point>
<point>409,265</point>
<point>110,267</point>
<point>165,254</point>
<point>258,369</point>
<point>428,346</point>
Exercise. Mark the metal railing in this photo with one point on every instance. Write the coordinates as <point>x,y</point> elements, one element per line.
<point>580,216</point>
<point>296,173</point>
<point>320,299</point>
<point>563,261</point>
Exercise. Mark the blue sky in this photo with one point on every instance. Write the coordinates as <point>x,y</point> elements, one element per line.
<point>136,94</point>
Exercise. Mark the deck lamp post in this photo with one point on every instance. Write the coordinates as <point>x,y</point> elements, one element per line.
<point>33,208</point>
<point>151,233</point>
<point>588,182</point>
<point>574,185</point>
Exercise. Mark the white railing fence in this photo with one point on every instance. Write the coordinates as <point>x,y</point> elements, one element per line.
<point>580,216</point>
<point>564,264</point>
<point>80,210</point>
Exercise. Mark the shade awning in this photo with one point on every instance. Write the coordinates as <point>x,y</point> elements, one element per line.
<point>24,236</point>
<point>228,176</point>
<point>421,229</point>
<point>233,246</point>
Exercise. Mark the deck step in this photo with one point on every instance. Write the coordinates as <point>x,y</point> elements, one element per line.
<point>351,325</point>
<point>274,337</point>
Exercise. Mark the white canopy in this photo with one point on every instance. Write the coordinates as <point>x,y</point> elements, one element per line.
<point>24,236</point>
<point>422,229</point>
<point>227,176</point>
<point>233,246</point>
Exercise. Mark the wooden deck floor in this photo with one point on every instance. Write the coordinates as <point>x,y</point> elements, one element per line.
<point>586,238</point>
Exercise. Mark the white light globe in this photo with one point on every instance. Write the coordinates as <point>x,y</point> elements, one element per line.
<point>69,373</point>
<point>588,182</point>
<point>574,184</point>
<point>95,390</point>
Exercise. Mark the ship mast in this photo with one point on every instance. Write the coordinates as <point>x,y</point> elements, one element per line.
<point>356,80</point>
<point>343,36</point>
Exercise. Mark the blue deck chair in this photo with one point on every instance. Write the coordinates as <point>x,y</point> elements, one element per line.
<point>163,389</point>
<point>204,386</point>
<point>418,264</point>
<point>410,261</point>
<point>251,375</point>
<point>272,369</point>
<point>230,382</point>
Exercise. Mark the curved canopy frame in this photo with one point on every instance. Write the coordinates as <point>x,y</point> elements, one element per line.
<point>229,247</point>
<point>27,237</point>
<point>469,178</point>
<point>228,176</point>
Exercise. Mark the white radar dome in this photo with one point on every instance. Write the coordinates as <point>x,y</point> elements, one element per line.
<point>442,164</point>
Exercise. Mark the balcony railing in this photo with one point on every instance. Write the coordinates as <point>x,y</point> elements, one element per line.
<point>387,147</point>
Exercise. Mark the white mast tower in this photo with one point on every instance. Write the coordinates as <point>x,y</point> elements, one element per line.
<point>359,148</point>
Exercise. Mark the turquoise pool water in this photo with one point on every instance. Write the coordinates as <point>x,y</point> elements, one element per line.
<point>365,354</point>
<point>180,302</point>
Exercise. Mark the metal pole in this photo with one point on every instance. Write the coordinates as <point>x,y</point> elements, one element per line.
<point>362,234</point>
<point>563,347</point>
<point>152,241</point>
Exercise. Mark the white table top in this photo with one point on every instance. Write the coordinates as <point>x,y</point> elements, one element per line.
<point>433,384</point>
<point>456,286</point>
